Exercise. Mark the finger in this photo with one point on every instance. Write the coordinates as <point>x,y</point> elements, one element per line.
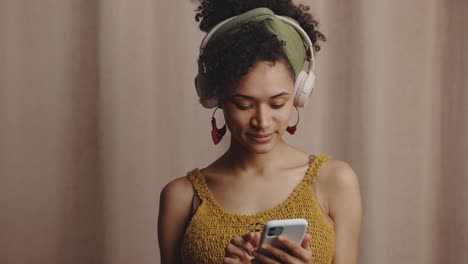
<point>264,259</point>
<point>248,236</point>
<point>230,260</point>
<point>234,252</point>
<point>255,241</point>
<point>305,242</point>
<point>295,249</point>
<point>244,242</point>
<point>278,254</point>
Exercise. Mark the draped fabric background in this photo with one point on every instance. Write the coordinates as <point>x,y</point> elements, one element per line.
<point>98,111</point>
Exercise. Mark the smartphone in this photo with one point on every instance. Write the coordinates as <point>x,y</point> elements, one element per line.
<point>293,229</point>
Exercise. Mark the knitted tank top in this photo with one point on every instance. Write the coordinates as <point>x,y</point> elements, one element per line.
<point>211,228</point>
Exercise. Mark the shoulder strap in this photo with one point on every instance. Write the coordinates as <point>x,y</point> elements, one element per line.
<point>199,185</point>
<point>314,167</point>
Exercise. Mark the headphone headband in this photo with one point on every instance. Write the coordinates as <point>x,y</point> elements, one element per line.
<point>299,30</point>
<point>305,79</point>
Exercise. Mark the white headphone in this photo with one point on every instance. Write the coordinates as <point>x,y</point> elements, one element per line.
<point>305,80</point>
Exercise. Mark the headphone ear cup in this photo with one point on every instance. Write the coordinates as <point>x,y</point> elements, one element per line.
<point>298,84</point>
<point>201,86</point>
<point>304,89</point>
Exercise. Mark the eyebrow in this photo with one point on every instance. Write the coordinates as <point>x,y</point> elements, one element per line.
<point>253,98</point>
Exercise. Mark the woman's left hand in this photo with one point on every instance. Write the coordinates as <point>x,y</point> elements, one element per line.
<point>295,253</point>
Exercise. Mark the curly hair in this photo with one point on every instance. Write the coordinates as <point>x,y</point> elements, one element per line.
<point>226,61</point>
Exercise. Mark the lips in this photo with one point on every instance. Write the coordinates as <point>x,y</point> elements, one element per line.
<point>260,135</point>
<point>260,138</point>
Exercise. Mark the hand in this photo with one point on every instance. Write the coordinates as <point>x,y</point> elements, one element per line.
<point>240,249</point>
<point>295,253</point>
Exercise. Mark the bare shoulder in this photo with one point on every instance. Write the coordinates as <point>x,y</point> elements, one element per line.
<point>336,175</point>
<point>175,202</point>
<point>178,191</point>
<point>343,197</point>
<point>174,213</point>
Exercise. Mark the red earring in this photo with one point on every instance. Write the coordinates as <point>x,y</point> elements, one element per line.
<point>292,129</point>
<point>216,133</point>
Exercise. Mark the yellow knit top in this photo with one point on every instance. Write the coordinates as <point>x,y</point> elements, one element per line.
<point>211,228</point>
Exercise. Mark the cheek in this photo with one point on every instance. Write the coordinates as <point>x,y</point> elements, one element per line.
<point>284,118</point>
<point>285,114</point>
<point>237,118</point>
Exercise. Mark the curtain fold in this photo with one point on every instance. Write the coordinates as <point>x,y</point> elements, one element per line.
<point>98,111</point>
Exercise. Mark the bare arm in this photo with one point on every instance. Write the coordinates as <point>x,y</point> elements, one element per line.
<point>344,201</point>
<point>174,213</point>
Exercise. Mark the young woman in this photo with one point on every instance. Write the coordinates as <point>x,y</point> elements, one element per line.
<point>256,64</point>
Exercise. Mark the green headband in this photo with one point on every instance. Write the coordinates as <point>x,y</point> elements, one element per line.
<point>295,48</point>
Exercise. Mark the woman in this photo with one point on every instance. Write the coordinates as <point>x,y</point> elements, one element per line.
<point>251,66</point>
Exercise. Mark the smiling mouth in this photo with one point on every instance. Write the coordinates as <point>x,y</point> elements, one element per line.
<point>260,138</point>
<point>260,135</point>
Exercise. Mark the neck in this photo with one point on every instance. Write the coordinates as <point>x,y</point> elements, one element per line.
<point>242,160</point>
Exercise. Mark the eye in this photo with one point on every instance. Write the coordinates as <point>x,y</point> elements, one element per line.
<point>244,107</point>
<point>277,106</point>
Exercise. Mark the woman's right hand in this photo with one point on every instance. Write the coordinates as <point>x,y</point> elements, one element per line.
<point>240,249</point>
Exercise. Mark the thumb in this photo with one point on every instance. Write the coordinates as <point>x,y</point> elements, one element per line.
<point>305,242</point>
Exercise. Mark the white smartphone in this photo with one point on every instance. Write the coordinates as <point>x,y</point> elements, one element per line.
<point>293,229</point>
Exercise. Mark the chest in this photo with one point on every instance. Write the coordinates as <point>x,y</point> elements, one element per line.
<point>256,194</point>
<point>245,208</point>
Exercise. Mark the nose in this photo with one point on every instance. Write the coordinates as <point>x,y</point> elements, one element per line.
<point>262,118</point>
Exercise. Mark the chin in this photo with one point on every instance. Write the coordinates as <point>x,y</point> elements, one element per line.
<point>258,149</point>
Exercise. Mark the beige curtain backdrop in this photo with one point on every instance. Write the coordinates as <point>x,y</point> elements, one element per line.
<point>98,111</point>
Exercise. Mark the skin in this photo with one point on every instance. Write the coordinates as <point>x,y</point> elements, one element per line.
<point>241,179</point>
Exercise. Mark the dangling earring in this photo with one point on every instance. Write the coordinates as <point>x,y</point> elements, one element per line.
<point>292,129</point>
<point>216,133</point>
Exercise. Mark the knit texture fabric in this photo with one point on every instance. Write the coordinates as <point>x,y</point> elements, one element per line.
<point>211,228</point>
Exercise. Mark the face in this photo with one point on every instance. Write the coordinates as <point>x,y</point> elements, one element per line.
<point>258,109</point>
